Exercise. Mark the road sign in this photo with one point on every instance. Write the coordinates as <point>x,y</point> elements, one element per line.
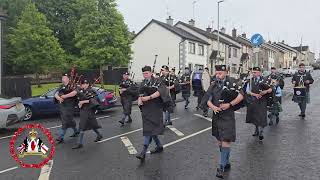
<point>257,40</point>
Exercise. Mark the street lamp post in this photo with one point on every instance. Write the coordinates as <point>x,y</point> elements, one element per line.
<point>218,54</point>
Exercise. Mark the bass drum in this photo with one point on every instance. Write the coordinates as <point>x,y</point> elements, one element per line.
<point>200,80</point>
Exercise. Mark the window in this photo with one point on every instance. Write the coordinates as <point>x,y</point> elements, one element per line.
<point>201,50</point>
<point>229,52</point>
<point>198,66</point>
<point>192,48</point>
<point>235,52</point>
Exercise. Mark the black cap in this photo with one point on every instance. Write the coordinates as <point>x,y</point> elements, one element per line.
<point>221,67</point>
<point>126,73</point>
<point>165,67</point>
<point>256,69</point>
<point>301,64</point>
<point>186,68</point>
<point>84,81</point>
<point>146,68</point>
<point>206,68</point>
<point>173,69</point>
<point>274,68</point>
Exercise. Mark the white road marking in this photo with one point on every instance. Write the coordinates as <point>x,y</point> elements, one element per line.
<point>45,171</point>
<point>128,145</point>
<point>9,169</point>
<point>130,132</point>
<point>54,127</point>
<point>206,118</point>
<point>175,130</point>
<point>136,110</point>
<point>237,112</point>
<point>184,138</point>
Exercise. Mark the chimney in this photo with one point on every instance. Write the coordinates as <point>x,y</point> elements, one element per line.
<point>282,41</point>
<point>192,22</point>
<point>223,30</point>
<point>244,35</point>
<point>234,32</point>
<point>209,29</point>
<point>170,21</point>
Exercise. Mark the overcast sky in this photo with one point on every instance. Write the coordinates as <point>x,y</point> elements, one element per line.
<point>276,20</point>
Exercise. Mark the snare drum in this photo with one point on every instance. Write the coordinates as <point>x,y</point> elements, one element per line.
<point>300,91</point>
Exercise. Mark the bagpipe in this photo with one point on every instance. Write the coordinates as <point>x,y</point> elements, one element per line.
<point>229,93</point>
<point>262,85</point>
<point>90,94</point>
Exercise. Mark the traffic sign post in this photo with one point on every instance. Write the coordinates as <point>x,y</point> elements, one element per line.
<point>256,40</point>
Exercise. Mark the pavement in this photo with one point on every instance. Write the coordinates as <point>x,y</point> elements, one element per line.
<point>290,149</point>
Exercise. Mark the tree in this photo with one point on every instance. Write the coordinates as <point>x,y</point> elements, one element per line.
<point>102,36</point>
<point>34,48</point>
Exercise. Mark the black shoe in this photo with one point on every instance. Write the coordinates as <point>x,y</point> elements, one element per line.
<point>303,115</point>
<point>261,137</point>
<point>79,146</point>
<point>205,114</point>
<point>277,120</point>
<point>98,138</point>
<point>197,108</point>
<point>227,167</point>
<point>141,156</point>
<point>300,115</point>
<point>75,134</point>
<point>270,123</point>
<point>122,122</point>
<point>157,150</point>
<point>169,123</point>
<point>220,173</point>
<point>60,140</point>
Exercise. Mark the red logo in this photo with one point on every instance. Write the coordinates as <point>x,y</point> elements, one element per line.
<point>32,145</point>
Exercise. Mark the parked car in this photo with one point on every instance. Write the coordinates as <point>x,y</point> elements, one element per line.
<point>287,72</point>
<point>44,104</point>
<point>12,111</point>
<point>309,69</point>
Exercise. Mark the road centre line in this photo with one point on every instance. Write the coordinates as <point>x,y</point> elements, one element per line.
<point>127,143</point>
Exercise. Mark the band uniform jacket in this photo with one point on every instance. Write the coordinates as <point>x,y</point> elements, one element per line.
<point>151,111</point>
<point>185,88</point>
<point>88,120</point>
<point>223,123</point>
<point>67,107</point>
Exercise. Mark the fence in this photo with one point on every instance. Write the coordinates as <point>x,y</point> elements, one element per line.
<point>16,87</point>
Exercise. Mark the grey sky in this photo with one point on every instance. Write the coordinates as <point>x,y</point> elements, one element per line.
<point>276,20</point>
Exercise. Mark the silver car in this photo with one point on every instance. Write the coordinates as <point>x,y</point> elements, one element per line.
<point>12,111</point>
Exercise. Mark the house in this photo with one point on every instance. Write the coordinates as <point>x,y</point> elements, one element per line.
<point>267,56</point>
<point>167,42</point>
<point>246,50</point>
<point>307,57</point>
<point>279,56</point>
<point>291,55</point>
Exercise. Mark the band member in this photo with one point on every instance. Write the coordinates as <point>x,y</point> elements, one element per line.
<point>222,97</point>
<point>65,95</point>
<point>199,92</point>
<point>275,76</point>
<point>127,96</point>
<point>274,105</point>
<point>185,86</point>
<point>87,104</point>
<point>153,96</point>
<point>176,89</point>
<point>257,91</point>
<point>301,81</point>
<point>167,81</point>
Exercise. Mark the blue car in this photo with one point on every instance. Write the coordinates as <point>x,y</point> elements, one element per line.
<point>44,104</point>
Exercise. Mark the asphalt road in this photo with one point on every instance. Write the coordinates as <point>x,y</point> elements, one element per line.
<point>289,151</point>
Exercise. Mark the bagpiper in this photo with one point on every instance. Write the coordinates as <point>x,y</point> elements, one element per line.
<point>185,86</point>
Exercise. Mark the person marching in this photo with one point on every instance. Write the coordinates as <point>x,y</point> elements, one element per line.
<point>276,76</point>
<point>200,92</point>
<point>274,101</point>
<point>257,91</point>
<point>166,80</point>
<point>185,86</point>
<point>222,97</point>
<point>153,96</point>
<point>65,95</point>
<point>176,86</point>
<point>87,104</point>
<point>301,81</point>
<point>127,96</point>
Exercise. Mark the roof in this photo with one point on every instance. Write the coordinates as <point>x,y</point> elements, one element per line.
<point>280,48</point>
<point>208,34</point>
<point>269,46</point>
<point>286,46</point>
<point>245,41</point>
<point>228,36</point>
<point>178,31</point>
<point>303,48</point>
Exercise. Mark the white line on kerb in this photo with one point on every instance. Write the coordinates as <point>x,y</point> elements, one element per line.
<point>46,170</point>
<point>130,132</point>
<point>9,169</point>
<point>175,130</point>
<point>127,143</point>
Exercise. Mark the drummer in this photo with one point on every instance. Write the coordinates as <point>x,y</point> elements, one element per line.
<point>200,92</point>
<point>302,79</point>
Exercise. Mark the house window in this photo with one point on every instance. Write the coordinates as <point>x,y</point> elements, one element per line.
<point>201,50</point>
<point>235,52</point>
<point>192,48</point>
<point>229,52</point>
